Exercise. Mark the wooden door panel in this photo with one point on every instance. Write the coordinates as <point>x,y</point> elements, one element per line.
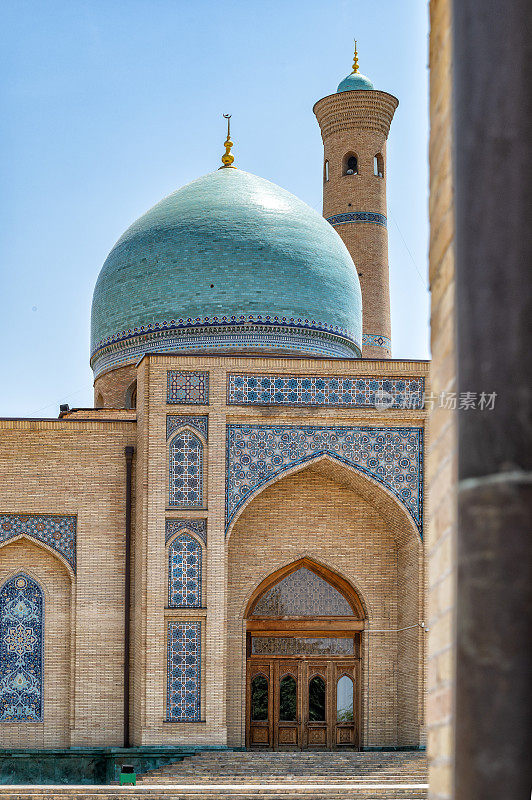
<point>346,729</point>
<point>339,729</point>
<point>259,733</point>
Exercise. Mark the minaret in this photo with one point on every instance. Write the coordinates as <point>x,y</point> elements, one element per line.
<point>354,126</point>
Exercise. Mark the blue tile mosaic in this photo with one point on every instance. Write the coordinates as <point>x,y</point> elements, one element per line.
<point>183,699</point>
<point>376,340</point>
<point>184,572</point>
<point>21,650</point>
<point>191,388</point>
<point>197,526</point>
<point>186,470</point>
<point>392,456</point>
<point>314,390</point>
<point>359,216</point>
<point>174,423</point>
<point>58,532</point>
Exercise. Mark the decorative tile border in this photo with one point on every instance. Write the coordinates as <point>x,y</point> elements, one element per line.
<point>174,423</point>
<point>359,216</point>
<point>58,532</point>
<point>21,650</point>
<point>224,319</point>
<point>183,699</point>
<point>392,456</point>
<point>197,526</point>
<point>184,572</point>
<point>316,390</point>
<point>284,338</point>
<point>376,340</point>
<point>191,388</point>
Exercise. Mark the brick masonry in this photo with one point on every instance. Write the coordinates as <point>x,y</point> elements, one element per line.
<point>358,123</point>
<point>325,511</point>
<point>441,453</point>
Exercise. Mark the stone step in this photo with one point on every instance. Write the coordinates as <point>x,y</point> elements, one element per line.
<point>215,792</point>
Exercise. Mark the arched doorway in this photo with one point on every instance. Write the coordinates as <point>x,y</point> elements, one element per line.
<point>303,657</point>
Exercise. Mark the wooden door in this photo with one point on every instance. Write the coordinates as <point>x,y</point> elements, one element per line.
<point>303,703</point>
<point>347,704</point>
<point>287,704</point>
<point>259,703</point>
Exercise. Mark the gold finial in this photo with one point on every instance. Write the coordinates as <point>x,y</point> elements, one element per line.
<point>228,158</point>
<point>355,60</point>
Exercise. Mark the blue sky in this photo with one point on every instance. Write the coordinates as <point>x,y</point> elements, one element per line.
<point>109,105</point>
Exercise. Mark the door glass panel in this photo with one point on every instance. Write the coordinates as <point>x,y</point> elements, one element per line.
<point>288,699</point>
<point>316,699</point>
<point>344,699</point>
<point>301,645</point>
<point>259,698</point>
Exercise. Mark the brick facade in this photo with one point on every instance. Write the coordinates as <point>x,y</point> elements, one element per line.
<point>441,453</point>
<point>324,510</point>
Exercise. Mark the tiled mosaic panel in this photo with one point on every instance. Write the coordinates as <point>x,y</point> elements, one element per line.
<point>301,646</point>
<point>303,594</point>
<point>186,470</point>
<point>198,526</point>
<point>391,456</point>
<point>21,650</point>
<point>376,340</point>
<point>359,216</point>
<point>188,387</point>
<point>174,423</point>
<point>57,532</point>
<point>184,572</point>
<point>184,672</point>
<point>316,390</point>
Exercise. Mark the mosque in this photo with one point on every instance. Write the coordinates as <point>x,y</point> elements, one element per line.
<point>227,550</point>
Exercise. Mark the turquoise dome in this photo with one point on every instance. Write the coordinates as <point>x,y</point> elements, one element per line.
<point>354,83</point>
<point>230,261</point>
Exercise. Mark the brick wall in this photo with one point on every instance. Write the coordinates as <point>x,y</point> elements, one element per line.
<point>328,512</point>
<point>72,467</point>
<point>441,474</point>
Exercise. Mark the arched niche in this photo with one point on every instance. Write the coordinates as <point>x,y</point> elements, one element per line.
<point>23,555</point>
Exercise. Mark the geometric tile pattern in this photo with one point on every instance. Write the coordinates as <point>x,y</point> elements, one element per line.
<point>186,470</point>
<point>305,646</point>
<point>228,337</point>
<point>173,423</point>
<point>317,390</point>
<point>184,572</point>
<point>376,340</point>
<point>359,216</point>
<point>57,532</point>
<point>302,594</point>
<point>21,650</point>
<point>184,672</point>
<point>188,387</point>
<point>197,526</point>
<point>391,456</point>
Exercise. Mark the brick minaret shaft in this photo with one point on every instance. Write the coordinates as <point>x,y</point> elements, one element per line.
<point>356,123</point>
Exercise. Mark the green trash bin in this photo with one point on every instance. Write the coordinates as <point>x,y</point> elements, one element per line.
<point>128,775</point>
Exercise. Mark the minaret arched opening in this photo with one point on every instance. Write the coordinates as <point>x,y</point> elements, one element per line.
<point>378,165</point>
<point>350,164</point>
